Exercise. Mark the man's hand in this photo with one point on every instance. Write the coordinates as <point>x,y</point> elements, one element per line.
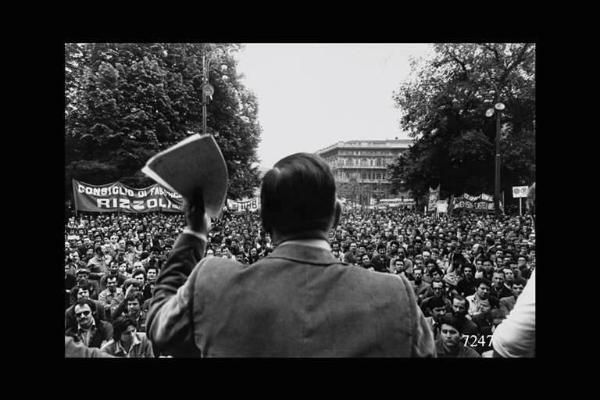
<point>133,284</point>
<point>195,216</point>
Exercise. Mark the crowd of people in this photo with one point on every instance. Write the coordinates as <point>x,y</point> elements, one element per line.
<point>466,271</point>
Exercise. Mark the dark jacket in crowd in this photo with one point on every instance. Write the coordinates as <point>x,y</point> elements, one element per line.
<point>463,351</point>
<point>500,293</point>
<point>103,333</point>
<point>469,327</point>
<point>466,287</point>
<point>297,302</point>
<point>350,258</point>
<point>70,281</point>
<point>380,263</point>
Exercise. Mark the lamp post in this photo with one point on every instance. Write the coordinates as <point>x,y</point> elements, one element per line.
<point>207,89</point>
<point>499,107</point>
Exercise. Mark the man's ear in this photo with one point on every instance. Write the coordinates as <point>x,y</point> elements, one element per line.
<point>338,213</point>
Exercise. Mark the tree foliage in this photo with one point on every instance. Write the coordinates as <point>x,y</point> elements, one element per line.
<point>124,102</point>
<point>443,107</point>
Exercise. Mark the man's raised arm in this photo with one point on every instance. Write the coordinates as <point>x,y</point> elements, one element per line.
<point>169,318</point>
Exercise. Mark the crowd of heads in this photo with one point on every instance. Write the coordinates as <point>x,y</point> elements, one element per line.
<point>466,270</point>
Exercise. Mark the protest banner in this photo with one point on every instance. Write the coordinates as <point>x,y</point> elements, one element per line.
<point>244,205</point>
<point>116,197</point>
<point>442,206</point>
<point>434,196</point>
<point>483,202</point>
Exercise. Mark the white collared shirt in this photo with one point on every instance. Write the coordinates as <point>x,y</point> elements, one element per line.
<point>86,334</point>
<point>318,243</point>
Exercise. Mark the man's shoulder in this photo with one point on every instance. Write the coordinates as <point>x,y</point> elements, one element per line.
<point>381,280</point>
<point>467,352</point>
<point>109,346</point>
<point>217,266</point>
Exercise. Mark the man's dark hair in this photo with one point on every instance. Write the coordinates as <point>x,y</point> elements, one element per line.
<point>84,284</point>
<point>298,194</point>
<point>519,281</point>
<point>120,325</point>
<point>89,302</point>
<point>135,295</point>
<point>450,319</point>
<point>460,298</point>
<point>436,269</point>
<point>436,302</point>
<point>438,283</point>
<point>137,272</point>
<point>483,280</point>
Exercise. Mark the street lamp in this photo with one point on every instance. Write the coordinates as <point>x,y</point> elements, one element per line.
<point>489,113</point>
<point>207,89</point>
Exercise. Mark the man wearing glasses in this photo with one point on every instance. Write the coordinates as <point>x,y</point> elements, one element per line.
<point>90,331</point>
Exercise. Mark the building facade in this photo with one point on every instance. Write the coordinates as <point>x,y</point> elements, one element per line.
<point>360,168</point>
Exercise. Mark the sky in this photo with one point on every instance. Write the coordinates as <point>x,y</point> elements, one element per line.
<point>313,95</point>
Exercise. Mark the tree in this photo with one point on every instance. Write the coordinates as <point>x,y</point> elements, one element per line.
<point>126,102</point>
<point>443,108</point>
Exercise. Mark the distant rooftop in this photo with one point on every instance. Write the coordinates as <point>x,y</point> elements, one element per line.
<point>392,143</point>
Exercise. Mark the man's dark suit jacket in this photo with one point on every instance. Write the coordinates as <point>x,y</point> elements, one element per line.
<point>297,302</point>
<point>103,333</point>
